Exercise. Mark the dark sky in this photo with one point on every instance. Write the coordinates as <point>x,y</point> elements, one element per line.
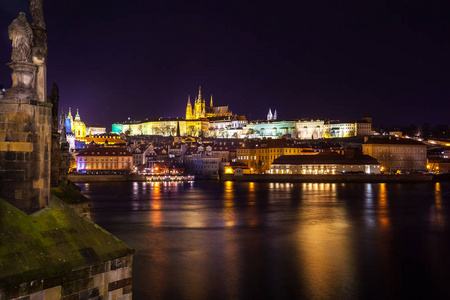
<point>334,59</point>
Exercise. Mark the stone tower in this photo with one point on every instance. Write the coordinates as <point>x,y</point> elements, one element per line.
<point>26,117</point>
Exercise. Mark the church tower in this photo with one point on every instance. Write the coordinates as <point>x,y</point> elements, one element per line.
<point>189,109</point>
<point>269,115</point>
<point>211,104</point>
<point>199,105</point>
<point>70,118</point>
<point>79,128</point>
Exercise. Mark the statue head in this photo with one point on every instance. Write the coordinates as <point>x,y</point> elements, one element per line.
<point>22,17</point>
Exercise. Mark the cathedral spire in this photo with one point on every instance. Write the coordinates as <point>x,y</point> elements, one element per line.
<point>200,93</point>
<point>211,102</point>
<point>275,115</point>
<point>189,109</point>
<point>269,115</point>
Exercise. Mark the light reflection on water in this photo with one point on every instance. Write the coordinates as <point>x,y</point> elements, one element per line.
<point>383,215</point>
<point>437,212</point>
<point>324,242</point>
<point>227,240</point>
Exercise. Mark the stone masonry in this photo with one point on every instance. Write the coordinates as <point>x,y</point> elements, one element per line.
<point>25,140</point>
<point>109,280</point>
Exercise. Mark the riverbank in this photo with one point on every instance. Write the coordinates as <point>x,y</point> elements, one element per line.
<point>76,178</point>
<point>363,178</point>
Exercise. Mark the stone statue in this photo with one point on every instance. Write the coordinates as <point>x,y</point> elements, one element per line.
<point>21,34</point>
<point>37,13</point>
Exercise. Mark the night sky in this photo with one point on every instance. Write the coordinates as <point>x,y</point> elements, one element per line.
<point>332,59</point>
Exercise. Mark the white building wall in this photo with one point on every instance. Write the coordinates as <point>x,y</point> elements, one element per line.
<point>310,129</point>
<point>317,169</point>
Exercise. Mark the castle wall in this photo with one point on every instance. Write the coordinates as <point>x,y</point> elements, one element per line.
<point>25,147</point>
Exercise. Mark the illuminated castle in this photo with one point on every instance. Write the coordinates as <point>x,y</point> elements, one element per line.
<point>200,110</point>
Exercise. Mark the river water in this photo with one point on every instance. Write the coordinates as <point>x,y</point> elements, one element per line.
<point>245,240</point>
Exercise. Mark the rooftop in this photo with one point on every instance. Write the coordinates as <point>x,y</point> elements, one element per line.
<point>104,151</point>
<point>392,140</point>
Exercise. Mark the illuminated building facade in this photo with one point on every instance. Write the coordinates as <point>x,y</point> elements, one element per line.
<point>325,163</point>
<point>95,130</point>
<point>338,129</point>
<point>438,165</point>
<point>162,126</point>
<point>310,129</point>
<point>397,154</point>
<point>259,155</point>
<point>104,160</point>
<point>272,128</point>
<point>107,140</point>
<point>228,127</point>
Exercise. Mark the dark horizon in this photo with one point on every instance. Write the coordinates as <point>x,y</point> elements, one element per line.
<point>306,60</point>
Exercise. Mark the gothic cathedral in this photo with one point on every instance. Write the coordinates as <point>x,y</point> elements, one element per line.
<point>200,110</point>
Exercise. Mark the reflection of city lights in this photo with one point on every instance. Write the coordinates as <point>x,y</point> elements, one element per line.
<point>316,261</point>
<point>229,215</point>
<point>252,194</point>
<point>383,217</point>
<point>438,214</point>
<point>369,193</point>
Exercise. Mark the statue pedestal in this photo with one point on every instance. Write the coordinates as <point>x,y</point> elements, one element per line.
<point>23,81</point>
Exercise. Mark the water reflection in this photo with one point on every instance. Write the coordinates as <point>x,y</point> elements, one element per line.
<point>228,211</point>
<point>318,192</point>
<point>251,194</point>
<point>383,209</point>
<point>254,240</point>
<point>437,210</point>
<point>325,242</point>
<point>368,195</point>
<point>252,211</point>
<point>155,215</point>
<point>370,219</point>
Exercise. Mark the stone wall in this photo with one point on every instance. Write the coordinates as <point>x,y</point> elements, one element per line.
<point>363,178</point>
<point>25,141</point>
<point>106,178</point>
<point>110,280</point>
